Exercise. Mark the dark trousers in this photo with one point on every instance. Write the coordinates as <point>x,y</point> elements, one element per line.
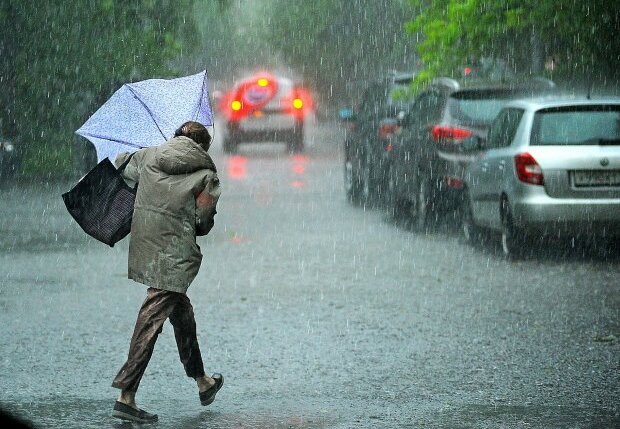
<point>158,306</point>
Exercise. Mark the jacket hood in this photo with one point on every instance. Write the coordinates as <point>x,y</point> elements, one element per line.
<point>182,155</point>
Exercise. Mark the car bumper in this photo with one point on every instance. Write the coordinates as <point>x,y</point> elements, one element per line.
<point>266,122</point>
<point>574,216</point>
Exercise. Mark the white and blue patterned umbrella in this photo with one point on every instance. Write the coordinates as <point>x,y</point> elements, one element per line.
<point>147,113</point>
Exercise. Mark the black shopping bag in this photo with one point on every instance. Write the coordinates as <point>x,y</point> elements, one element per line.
<point>102,202</point>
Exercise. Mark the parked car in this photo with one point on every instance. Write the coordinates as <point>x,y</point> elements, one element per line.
<point>265,108</point>
<point>9,159</point>
<point>551,167</point>
<point>440,137</point>
<point>367,146</point>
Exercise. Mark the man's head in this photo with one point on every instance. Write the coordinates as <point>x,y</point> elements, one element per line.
<point>195,131</point>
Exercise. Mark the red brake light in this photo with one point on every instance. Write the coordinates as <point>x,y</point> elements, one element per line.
<point>528,170</point>
<point>298,102</point>
<point>448,133</point>
<point>453,182</point>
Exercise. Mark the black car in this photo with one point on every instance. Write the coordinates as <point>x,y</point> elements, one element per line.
<point>441,134</point>
<point>367,144</point>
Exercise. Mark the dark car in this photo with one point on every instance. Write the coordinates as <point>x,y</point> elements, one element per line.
<point>441,135</point>
<point>367,144</point>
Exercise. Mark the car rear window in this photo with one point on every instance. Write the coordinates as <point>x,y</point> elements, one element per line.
<point>577,125</point>
<point>479,106</point>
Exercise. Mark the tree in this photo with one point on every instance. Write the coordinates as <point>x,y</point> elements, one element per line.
<point>576,39</point>
<point>66,58</point>
<point>336,43</point>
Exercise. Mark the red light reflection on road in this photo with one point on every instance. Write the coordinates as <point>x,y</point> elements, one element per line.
<point>299,168</point>
<point>300,159</point>
<point>236,167</point>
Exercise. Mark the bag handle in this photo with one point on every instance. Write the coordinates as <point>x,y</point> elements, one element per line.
<point>124,164</point>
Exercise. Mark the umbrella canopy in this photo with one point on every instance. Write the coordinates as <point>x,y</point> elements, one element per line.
<point>147,113</point>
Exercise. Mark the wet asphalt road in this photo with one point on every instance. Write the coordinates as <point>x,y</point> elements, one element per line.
<point>318,313</point>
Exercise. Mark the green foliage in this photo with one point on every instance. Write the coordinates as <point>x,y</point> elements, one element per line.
<point>66,58</point>
<point>580,36</point>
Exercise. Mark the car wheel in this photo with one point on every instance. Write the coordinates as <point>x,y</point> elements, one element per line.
<point>296,142</point>
<point>351,184</point>
<point>389,190</point>
<point>421,206</point>
<point>366,179</point>
<point>472,233</point>
<point>230,145</point>
<point>513,239</point>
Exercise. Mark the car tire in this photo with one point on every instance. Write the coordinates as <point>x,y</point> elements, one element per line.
<point>231,139</point>
<point>351,184</point>
<point>229,146</point>
<point>389,191</point>
<point>472,233</point>
<point>366,181</point>
<point>513,239</point>
<point>296,142</point>
<point>420,207</point>
<point>357,181</point>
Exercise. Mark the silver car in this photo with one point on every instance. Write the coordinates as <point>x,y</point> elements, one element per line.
<point>266,108</point>
<point>549,167</point>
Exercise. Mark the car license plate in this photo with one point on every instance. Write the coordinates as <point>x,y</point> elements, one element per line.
<point>596,178</point>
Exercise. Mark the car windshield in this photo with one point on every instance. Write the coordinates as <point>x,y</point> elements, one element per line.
<point>478,106</point>
<point>591,125</point>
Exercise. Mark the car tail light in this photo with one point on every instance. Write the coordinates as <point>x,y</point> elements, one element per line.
<point>528,170</point>
<point>453,182</point>
<point>442,133</point>
<point>298,103</point>
<point>387,130</point>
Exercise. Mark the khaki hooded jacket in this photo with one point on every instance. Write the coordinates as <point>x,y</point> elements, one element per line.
<point>166,220</point>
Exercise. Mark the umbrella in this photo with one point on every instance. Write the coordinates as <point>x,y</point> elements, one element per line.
<point>146,113</point>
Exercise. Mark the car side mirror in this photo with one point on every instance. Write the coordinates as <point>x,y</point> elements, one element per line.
<point>346,114</point>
